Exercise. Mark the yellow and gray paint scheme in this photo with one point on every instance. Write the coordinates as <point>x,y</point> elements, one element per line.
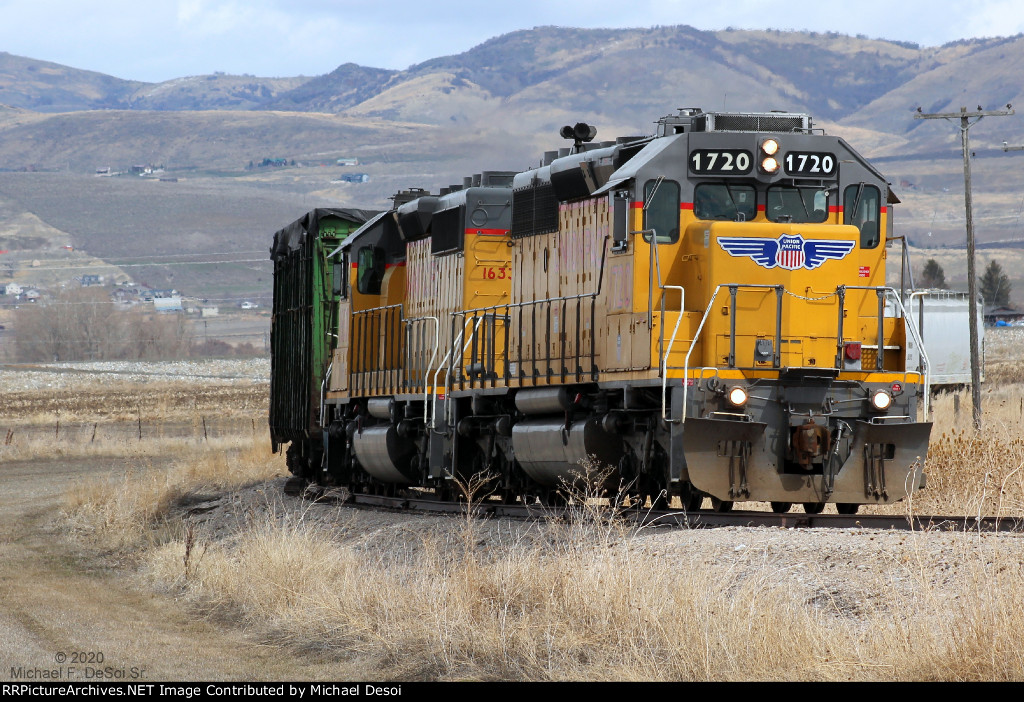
<point>703,311</point>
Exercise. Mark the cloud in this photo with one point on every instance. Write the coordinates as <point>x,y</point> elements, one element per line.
<point>163,39</point>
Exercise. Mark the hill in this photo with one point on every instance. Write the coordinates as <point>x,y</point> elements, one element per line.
<point>496,106</point>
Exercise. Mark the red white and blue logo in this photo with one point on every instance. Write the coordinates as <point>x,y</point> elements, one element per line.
<point>789,251</point>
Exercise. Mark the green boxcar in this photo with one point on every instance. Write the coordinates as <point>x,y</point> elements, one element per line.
<point>304,326</point>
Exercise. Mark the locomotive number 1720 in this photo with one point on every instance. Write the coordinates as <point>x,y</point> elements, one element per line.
<point>723,161</point>
<point>810,163</point>
<point>491,273</point>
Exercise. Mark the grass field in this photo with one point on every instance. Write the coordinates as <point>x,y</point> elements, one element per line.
<point>432,598</point>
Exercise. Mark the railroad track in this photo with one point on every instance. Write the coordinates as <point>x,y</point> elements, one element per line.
<point>700,519</point>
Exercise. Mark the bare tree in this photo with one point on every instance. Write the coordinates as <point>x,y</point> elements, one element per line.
<point>85,325</point>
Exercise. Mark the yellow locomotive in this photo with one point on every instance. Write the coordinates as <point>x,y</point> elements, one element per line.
<point>702,311</point>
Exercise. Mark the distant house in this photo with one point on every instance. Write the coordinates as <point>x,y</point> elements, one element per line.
<point>348,161</point>
<point>88,280</point>
<point>167,304</point>
<point>1002,316</point>
<point>248,305</point>
<point>209,311</point>
<point>13,289</point>
<point>355,178</point>
<point>124,295</point>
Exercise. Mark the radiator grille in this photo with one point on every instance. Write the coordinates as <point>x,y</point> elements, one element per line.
<point>757,123</point>
<point>534,211</point>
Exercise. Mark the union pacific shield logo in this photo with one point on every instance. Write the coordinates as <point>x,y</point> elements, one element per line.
<point>789,251</point>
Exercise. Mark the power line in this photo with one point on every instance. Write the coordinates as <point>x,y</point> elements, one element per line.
<point>84,266</point>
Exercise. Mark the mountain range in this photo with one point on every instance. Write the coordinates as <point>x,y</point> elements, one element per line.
<point>497,106</point>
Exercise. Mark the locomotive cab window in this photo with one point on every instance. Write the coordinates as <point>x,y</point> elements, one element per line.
<point>799,204</point>
<point>723,201</point>
<point>370,271</point>
<point>661,210</point>
<point>862,207</point>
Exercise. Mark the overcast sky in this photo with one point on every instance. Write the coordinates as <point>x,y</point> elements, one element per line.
<point>155,40</point>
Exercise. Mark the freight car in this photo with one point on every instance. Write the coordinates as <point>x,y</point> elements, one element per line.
<point>699,313</point>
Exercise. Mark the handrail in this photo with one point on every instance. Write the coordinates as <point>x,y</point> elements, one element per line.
<point>377,309</point>
<point>655,256</point>
<point>323,390</point>
<point>447,368</point>
<point>671,341</point>
<point>508,306</point>
<point>366,381</point>
<point>924,363</point>
<point>693,345</point>
<point>451,359</point>
<point>426,371</point>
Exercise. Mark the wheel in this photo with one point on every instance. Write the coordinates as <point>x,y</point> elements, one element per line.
<point>295,486</point>
<point>847,507</point>
<point>814,507</point>
<point>721,505</point>
<point>781,507</point>
<point>691,498</point>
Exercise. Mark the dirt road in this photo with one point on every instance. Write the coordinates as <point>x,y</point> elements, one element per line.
<point>67,615</point>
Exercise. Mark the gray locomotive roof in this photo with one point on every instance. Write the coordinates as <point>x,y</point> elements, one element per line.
<point>358,233</point>
<point>630,168</point>
<point>291,237</point>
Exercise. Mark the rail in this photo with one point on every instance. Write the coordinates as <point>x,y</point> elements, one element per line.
<point>689,519</point>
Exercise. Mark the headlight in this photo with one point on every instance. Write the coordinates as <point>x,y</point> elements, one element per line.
<point>770,147</point>
<point>737,396</point>
<point>881,400</point>
<point>769,165</point>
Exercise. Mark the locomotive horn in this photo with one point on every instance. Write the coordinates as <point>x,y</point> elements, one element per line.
<point>584,132</point>
<point>580,133</point>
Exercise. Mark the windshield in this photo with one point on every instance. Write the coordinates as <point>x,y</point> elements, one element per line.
<point>733,203</point>
<point>797,204</point>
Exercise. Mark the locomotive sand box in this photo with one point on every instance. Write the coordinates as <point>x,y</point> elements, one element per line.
<point>701,313</point>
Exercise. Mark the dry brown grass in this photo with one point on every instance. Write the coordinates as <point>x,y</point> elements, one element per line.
<point>592,602</point>
<point>973,473</point>
<point>137,507</point>
<point>590,599</point>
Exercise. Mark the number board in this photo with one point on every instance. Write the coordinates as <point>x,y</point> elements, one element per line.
<point>721,161</point>
<point>809,163</point>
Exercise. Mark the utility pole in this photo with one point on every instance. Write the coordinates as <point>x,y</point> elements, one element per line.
<point>965,118</point>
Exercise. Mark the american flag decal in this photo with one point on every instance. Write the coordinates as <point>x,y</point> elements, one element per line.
<point>789,251</point>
